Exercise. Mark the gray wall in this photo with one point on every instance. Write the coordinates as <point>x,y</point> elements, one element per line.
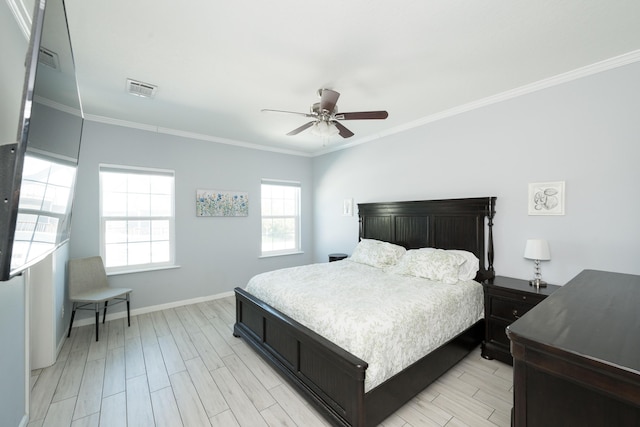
<point>582,132</point>
<point>13,46</point>
<point>215,254</point>
<point>585,132</point>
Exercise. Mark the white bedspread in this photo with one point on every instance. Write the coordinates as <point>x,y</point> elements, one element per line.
<point>387,320</point>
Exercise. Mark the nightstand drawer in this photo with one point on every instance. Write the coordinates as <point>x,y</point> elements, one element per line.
<point>508,309</point>
<point>521,296</point>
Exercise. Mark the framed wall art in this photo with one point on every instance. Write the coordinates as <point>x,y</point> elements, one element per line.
<point>221,203</point>
<point>546,198</point>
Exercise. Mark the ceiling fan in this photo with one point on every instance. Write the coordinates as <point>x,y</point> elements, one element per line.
<point>326,117</point>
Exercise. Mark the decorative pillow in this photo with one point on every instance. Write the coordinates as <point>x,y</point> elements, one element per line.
<point>429,263</point>
<point>469,267</point>
<point>377,253</point>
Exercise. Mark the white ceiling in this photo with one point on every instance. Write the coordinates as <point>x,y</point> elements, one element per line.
<point>217,64</point>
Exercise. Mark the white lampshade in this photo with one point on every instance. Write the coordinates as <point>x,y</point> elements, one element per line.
<point>537,249</point>
<point>324,128</point>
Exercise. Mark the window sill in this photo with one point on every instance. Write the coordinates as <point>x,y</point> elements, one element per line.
<point>281,254</point>
<point>142,270</point>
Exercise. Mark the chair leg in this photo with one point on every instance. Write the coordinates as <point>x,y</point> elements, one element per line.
<point>104,316</point>
<point>128,313</point>
<point>97,319</point>
<point>73,314</point>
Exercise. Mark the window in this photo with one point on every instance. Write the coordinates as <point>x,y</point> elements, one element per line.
<point>280,204</point>
<point>136,218</point>
<point>43,212</point>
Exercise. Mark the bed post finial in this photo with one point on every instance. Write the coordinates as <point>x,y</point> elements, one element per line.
<point>490,254</point>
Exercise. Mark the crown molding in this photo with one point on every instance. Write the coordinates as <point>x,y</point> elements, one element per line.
<point>598,67</point>
<point>190,135</point>
<point>57,106</point>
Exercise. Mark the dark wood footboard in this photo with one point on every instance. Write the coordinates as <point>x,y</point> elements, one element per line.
<point>332,378</point>
<point>391,395</point>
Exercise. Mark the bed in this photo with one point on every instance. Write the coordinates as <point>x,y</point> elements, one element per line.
<point>334,379</point>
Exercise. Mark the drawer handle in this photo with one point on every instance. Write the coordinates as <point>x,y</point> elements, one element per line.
<point>515,314</point>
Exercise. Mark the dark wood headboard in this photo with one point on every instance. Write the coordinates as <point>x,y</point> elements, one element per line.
<point>446,224</point>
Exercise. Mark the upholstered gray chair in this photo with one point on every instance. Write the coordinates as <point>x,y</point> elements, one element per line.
<point>88,287</point>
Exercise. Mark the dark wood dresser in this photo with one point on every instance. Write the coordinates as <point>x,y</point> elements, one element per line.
<point>506,300</point>
<point>577,355</point>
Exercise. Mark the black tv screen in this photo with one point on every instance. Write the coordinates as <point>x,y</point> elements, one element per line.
<point>37,170</point>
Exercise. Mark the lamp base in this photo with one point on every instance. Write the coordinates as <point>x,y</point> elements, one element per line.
<point>538,283</point>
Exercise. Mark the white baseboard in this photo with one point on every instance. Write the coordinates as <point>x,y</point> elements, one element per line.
<point>152,308</point>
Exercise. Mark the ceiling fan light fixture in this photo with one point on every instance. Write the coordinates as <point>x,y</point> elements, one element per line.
<point>324,128</point>
<point>325,118</point>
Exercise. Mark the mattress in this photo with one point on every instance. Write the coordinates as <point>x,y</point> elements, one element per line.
<point>388,320</point>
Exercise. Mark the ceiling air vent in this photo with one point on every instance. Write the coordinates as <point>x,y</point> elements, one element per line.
<point>48,57</point>
<point>144,90</point>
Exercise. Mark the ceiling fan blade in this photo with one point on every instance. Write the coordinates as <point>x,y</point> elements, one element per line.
<point>362,115</point>
<point>343,131</point>
<point>266,110</point>
<point>328,99</point>
<point>301,128</point>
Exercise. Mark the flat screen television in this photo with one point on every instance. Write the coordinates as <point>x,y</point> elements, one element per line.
<point>38,169</point>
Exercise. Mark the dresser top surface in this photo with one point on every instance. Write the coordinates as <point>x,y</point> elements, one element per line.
<point>595,315</point>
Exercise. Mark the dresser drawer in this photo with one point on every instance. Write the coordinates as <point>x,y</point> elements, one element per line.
<point>509,309</point>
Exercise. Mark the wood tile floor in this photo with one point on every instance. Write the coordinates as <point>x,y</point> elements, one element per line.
<point>183,367</point>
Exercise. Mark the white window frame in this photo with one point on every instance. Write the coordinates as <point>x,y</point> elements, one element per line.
<point>131,268</point>
<point>297,216</point>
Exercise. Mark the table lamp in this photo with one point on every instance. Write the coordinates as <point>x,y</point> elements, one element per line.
<point>537,250</point>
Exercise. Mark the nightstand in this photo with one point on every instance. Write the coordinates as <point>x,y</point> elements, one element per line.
<point>505,300</point>
<point>336,257</point>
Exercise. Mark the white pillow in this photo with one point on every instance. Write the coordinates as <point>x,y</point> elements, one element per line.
<point>430,263</point>
<point>411,263</point>
<point>377,253</point>
<point>469,269</point>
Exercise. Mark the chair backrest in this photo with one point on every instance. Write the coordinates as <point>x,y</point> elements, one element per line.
<point>86,274</point>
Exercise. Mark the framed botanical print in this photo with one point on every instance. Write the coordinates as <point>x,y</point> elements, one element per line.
<point>546,198</point>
